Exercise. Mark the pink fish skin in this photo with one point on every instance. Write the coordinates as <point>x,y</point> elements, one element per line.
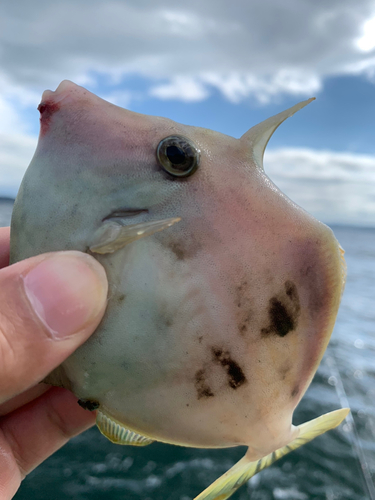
<point>217,320</point>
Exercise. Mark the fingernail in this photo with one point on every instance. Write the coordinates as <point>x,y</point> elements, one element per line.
<point>66,291</point>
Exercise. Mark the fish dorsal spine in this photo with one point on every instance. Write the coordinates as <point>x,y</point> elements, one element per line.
<point>258,136</point>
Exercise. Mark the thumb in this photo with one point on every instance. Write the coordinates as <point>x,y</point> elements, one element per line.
<point>49,305</point>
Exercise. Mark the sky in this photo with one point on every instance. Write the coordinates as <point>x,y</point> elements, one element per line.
<point>216,64</point>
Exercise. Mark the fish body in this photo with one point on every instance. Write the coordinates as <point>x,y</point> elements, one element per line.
<point>223,293</point>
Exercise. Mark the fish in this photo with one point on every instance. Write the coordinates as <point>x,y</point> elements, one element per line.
<point>223,292</point>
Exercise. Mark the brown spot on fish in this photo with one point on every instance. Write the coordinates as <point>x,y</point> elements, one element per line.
<point>182,248</point>
<point>201,386</point>
<point>178,250</point>
<point>281,321</point>
<point>291,291</point>
<point>306,271</point>
<point>295,391</point>
<point>200,338</point>
<point>165,317</point>
<point>283,312</point>
<point>244,324</point>
<point>236,376</point>
<point>168,321</point>
<point>243,303</point>
<point>284,370</point>
<point>240,290</point>
<point>88,404</point>
<point>121,298</point>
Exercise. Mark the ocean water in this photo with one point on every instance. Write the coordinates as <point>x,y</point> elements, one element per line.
<point>339,465</point>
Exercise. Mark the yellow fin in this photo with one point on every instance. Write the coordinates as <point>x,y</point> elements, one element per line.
<point>243,470</point>
<point>117,433</point>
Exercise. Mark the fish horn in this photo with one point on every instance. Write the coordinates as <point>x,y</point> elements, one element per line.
<point>112,236</point>
<point>243,470</point>
<point>259,135</point>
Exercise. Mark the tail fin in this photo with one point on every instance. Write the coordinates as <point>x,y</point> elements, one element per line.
<point>243,470</point>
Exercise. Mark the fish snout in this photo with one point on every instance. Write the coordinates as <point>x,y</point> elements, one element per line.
<point>66,87</point>
<point>52,102</point>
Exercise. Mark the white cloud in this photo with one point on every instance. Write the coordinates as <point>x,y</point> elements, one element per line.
<point>367,41</point>
<point>184,88</point>
<point>334,187</point>
<point>16,147</point>
<point>236,86</point>
<point>260,48</point>
<point>121,98</point>
<point>16,151</point>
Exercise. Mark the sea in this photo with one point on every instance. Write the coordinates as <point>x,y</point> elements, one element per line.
<point>339,465</point>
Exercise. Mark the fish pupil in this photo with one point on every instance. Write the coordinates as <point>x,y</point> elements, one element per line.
<point>178,156</point>
<point>175,155</point>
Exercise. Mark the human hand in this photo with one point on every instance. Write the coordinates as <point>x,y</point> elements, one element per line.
<point>49,305</point>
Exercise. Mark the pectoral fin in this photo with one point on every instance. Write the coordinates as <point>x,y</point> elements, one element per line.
<point>112,236</point>
<point>243,470</point>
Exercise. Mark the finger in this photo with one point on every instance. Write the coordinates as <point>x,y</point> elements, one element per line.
<point>32,433</point>
<point>23,398</point>
<point>50,304</point>
<point>4,246</point>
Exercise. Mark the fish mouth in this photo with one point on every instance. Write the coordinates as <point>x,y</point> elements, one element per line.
<point>122,212</point>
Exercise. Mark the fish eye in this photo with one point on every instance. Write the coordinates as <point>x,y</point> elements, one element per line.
<point>178,156</point>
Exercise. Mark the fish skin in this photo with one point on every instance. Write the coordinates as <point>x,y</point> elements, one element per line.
<point>215,326</point>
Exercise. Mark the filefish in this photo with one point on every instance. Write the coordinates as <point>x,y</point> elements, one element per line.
<point>223,293</point>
